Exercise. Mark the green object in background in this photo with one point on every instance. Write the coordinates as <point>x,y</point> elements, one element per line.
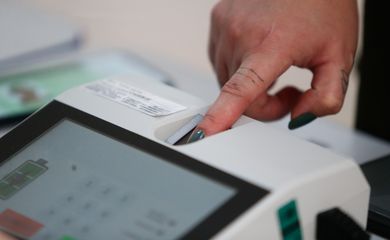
<point>67,238</point>
<point>24,92</point>
<point>20,177</point>
<point>289,221</point>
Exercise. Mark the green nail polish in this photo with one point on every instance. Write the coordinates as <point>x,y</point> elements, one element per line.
<point>301,120</point>
<point>196,135</point>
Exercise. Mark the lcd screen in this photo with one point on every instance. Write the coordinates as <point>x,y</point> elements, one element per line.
<point>81,184</point>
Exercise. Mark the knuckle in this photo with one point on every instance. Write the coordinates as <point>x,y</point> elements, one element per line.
<point>237,90</point>
<point>332,104</point>
<point>233,88</point>
<point>235,29</point>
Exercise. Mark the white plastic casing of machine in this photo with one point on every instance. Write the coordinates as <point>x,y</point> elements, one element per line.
<point>289,168</point>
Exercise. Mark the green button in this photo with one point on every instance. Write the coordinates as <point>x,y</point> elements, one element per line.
<point>288,214</point>
<point>289,221</point>
<point>294,235</point>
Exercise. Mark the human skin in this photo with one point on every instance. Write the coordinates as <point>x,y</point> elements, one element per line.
<point>3,236</point>
<point>252,42</point>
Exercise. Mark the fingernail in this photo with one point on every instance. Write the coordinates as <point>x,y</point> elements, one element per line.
<point>301,120</point>
<point>196,135</point>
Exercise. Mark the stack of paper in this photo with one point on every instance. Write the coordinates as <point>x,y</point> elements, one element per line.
<point>28,34</point>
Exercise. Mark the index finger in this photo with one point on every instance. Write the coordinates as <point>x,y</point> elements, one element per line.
<point>256,73</point>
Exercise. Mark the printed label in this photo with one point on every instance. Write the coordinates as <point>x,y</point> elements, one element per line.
<point>135,98</point>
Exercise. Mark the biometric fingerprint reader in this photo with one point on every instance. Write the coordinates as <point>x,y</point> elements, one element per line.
<point>98,163</point>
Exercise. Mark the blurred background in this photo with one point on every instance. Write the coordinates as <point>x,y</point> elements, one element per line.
<point>171,35</point>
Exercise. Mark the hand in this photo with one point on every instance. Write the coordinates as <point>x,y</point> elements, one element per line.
<point>252,42</point>
<point>4,236</point>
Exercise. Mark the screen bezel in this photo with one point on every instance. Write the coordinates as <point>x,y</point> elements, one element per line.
<point>37,124</point>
